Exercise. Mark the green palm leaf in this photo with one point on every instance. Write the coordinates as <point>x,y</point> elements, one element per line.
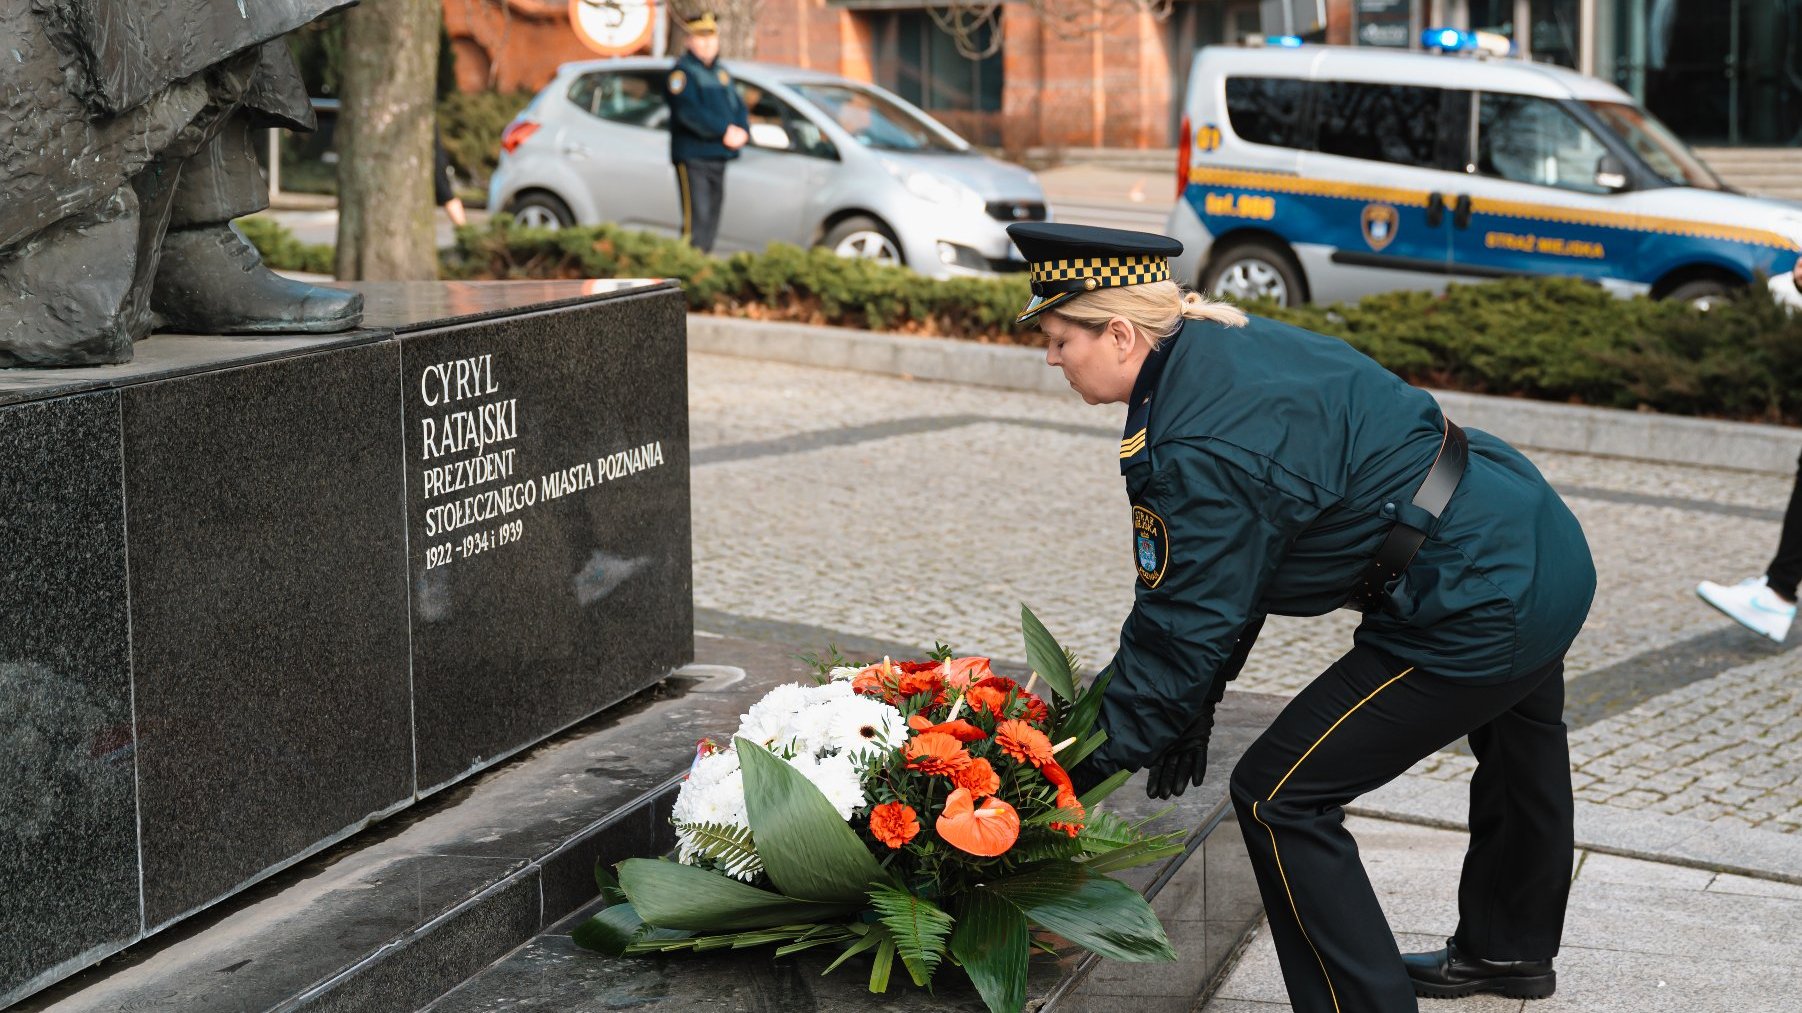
<point>731,847</point>
<point>807,850</point>
<point>920,929</point>
<point>991,944</point>
<point>675,896</point>
<point>1046,656</point>
<point>1101,914</point>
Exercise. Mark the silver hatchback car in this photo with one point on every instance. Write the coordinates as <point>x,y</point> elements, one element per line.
<point>832,162</point>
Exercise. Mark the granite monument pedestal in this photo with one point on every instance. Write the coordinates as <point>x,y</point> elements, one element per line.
<point>258,592</point>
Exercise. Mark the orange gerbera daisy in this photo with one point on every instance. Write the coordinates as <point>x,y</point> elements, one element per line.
<point>935,753</point>
<point>921,682</point>
<point>979,779</point>
<point>961,730</point>
<point>894,823</point>
<point>987,830</point>
<point>1023,742</point>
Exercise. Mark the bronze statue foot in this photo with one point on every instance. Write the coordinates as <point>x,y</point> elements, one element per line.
<point>212,281</point>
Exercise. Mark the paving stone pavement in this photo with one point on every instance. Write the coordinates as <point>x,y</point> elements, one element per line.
<point>909,512</point>
<point>1639,937</point>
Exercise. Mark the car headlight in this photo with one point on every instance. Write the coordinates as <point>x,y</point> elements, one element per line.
<point>937,189</point>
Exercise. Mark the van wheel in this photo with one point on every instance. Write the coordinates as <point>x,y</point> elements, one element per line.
<point>1252,270</point>
<point>540,210</point>
<point>866,238</point>
<point>1703,293</point>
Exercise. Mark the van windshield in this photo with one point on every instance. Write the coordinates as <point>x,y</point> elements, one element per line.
<point>1667,156</point>
<point>875,121</point>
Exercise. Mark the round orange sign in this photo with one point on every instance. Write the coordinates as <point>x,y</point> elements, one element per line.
<point>614,27</point>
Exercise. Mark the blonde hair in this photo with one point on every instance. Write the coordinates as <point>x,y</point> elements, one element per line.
<point>1156,310</point>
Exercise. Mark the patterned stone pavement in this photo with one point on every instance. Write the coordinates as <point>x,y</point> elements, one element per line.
<point>851,506</point>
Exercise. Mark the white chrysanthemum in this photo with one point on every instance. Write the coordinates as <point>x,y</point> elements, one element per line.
<point>837,779</point>
<point>856,726</point>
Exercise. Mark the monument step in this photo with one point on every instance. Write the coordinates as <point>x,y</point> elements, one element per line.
<point>393,917</point>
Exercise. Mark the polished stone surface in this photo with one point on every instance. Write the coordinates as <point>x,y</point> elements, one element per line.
<point>549,547</point>
<point>406,306</point>
<point>68,807</point>
<point>269,625</point>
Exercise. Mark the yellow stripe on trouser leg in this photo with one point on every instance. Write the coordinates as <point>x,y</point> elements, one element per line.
<point>1276,854</point>
<point>687,201</point>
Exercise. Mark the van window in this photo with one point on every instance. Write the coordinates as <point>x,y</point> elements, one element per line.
<point>1535,140</point>
<point>1380,122</point>
<point>1267,110</point>
<point>631,96</point>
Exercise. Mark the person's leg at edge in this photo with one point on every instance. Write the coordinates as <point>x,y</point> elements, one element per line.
<point>1516,879</point>
<point>1786,567</point>
<point>707,184</point>
<point>1363,722</point>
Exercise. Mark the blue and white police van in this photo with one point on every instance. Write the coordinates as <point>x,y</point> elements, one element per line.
<point>1327,173</point>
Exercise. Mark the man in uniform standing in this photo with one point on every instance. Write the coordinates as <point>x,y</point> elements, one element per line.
<point>708,126</point>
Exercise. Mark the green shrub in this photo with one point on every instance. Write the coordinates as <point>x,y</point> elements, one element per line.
<point>1555,339</point>
<point>471,124</point>
<point>281,250</point>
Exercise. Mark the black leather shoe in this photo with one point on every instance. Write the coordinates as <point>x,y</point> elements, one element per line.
<point>1449,974</point>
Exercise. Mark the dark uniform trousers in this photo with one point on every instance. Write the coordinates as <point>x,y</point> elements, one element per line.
<point>701,183</point>
<point>1362,723</point>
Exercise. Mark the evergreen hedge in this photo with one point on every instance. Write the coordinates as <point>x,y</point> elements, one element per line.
<point>1555,339</point>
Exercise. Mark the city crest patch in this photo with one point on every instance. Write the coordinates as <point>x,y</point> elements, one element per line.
<point>1151,545</point>
<point>1380,223</point>
<point>677,81</point>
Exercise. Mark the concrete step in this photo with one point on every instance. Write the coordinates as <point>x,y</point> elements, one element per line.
<point>404,911</point>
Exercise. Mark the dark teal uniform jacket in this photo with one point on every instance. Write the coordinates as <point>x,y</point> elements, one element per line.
<point>1265,464</point>
<point>702,103</point>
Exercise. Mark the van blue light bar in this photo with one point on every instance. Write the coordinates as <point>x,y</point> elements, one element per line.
<point>1448,40</point>
<point>1288,41</point>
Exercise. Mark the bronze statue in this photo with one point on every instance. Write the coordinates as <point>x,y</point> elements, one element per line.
<point>125,153</point>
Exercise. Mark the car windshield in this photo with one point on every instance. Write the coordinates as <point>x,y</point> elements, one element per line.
<point>875,121</point>
<point>1667,156</point>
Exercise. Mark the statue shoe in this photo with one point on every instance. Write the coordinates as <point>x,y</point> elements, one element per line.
<point>210,280</point>
<point>1451,973</point>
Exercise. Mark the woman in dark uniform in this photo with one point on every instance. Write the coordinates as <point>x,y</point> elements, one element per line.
<point>1273,470</point>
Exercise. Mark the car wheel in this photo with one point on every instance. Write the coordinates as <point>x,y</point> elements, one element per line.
<point>540,210</point>
<point>1703,293</point>
<point>1254,270</point>
<point>864,238</point>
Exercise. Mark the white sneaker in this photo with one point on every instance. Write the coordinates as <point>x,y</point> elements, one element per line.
<point>1751,604</point>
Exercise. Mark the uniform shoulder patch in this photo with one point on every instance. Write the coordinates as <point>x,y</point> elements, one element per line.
<point>677,81</point>
<point>725,78</point>
<point>1151,545</point>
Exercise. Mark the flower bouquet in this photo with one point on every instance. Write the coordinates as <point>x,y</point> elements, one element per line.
<point>914,810</point>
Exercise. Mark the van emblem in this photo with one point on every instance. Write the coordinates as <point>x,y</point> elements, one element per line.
<point>1380,223</point>
<point>1207,137</point>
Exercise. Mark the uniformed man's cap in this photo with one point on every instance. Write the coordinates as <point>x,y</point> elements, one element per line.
<point>1068,260</point>
<point>703,25</point>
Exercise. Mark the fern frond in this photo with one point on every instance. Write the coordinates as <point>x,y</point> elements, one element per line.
<point>730,847</point>
<point>922,932</point>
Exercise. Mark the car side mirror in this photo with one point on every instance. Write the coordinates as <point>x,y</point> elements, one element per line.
<point>1611,172</point>
<point>770,135</point>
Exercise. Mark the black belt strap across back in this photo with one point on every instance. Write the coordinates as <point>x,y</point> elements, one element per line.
<point>1403,541</point>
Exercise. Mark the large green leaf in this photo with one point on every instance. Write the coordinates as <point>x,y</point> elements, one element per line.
<point>1094,796</point>
<point>673,896</point>
<point>1045,655</point>
<point>920,929</point>
<point>1093,911</point>
<point>991,943</point>
<point>808,852</point>
<point>1087,708</point>
<point>608,884</point>
<point>884,964</point>
<point>610,931</point>
<point>1152,849</point>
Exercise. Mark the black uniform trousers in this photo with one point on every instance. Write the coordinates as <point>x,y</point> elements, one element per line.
<point>1785,570</point>
<point>1362,723</point>
<point>701,184</point>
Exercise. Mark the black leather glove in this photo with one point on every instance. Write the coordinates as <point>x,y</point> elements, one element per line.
<point>1185,763</point>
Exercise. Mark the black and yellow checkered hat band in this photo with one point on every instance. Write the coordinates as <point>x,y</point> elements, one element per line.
<point>1090,273</point>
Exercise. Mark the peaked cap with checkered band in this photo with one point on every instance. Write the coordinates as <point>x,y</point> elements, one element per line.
<point>1068,260</point>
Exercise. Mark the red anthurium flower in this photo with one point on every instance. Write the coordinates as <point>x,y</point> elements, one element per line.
<point>894,823</point>
<point>986,830</point>
<point>961,672</point>
<point>961,730</point>
<point>935,753</point>
<point>1066,797</point>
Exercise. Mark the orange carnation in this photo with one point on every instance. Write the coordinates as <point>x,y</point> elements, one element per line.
<point>979,779</point>
<point>921,682</point>
<point>935,753</point>
<point>1023,742</point>
<point>961,730</point>
<point>986,830</point>
<point>986,698</point>
<point>894,823</point>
